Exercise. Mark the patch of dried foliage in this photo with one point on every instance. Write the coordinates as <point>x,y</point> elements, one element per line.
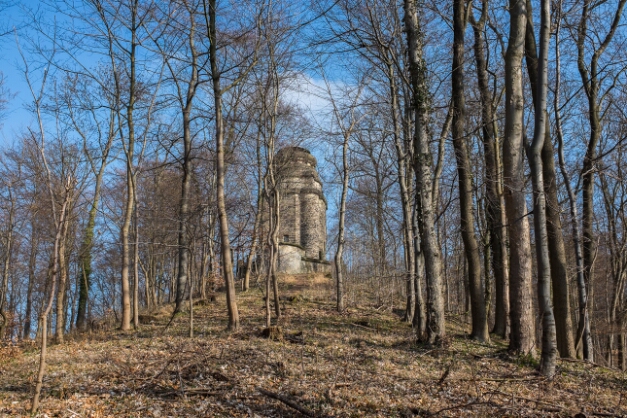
<point>361,363</point>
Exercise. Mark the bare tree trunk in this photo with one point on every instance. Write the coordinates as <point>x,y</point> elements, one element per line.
<point>183,235</point>
<point>61,290</point>
<point>225,239</point>
<point>339,267</point>
<point>584,322</point>
<point>420,311</point>
<point>135,268</point>
<point>549,339</point>
<point>60,222</point>
<point>522,338</point>
<point>471,247</point>
<point>191,309</point>
<point>622,361</point>
<point>424,173</point>
<point>589,73</point>
<point>8,247</point>
<point>85,258</point>
<point>186,104</point>
<point>557,252</point>
<point>618,257</point>
<point>274,242</point>
<point>129,151</point>
<point>32,260</point>
<point>403,180</point>
<point>255,237</point>
<point>493,206</point>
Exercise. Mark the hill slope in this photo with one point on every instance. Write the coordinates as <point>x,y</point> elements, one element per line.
<point>353,365</point>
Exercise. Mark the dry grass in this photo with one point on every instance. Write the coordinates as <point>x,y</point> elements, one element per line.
<point>361,363</point>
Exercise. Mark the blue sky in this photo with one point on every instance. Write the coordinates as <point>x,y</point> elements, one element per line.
<point>16,118</point>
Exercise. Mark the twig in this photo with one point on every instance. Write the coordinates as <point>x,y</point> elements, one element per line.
<point>466,405</point>
<point>502,379</point>
<point>191,392</point>
<point>537,402</point>
<point>287,402</point>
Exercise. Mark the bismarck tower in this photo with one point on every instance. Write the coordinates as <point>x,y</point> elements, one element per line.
<point>303,213</point>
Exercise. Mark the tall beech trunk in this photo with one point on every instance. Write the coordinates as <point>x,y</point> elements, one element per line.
<point>591,80</point>
<point>618,257</point>
<point>423,169</point>
<point>183,233</point>
<point>557,251</point>
<point>225,239</point>
<point>522,336</point>
<point>8,247</point>
<point>273,244</point>
<point>186,110</point>
<point>420,311</point>
<point>471,247</point>
<point>61,289</point>
<point>32,265</point>
<point>129,151</point>
<point>584,320</point>
<point>60,220</point>
<point>85,258</point>
<point>85,252</point>
<point>339,267</point>
<point>135,267</point>
<point>495,212</point>
<point>549,339</point>
<point>257,225</point>
<point>403,180</point>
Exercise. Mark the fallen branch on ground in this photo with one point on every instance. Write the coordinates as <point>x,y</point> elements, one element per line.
<point>287,402</point>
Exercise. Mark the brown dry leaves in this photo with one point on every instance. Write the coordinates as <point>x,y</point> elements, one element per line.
<point>358,364</point>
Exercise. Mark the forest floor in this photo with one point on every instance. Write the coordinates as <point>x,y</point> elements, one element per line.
<point>362,363</point>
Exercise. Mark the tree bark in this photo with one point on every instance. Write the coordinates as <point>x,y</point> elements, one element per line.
<point>129,151</point>
<point>32,260</point>
<point>225,240</point>
<point>257,226</point>
<point>471,247</point>
<point>495,213</point>
<point>339,267</point>
<point>60,220</point>
<point>589,73</point>
<point>186,111</point>
<point>557,252</point>
<point>522,337</point>
<point>423,170</point>
<point>8,247</point>
<point>61,289</point>
<point>549,339</point>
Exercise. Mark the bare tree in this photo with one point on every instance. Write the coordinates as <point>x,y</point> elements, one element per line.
<point>477,294</point>
<point>210,13</point>
<point>424,173</point>
<point>522,337</point>
<point>7,243</point>
<point>549,339</point>
<point>347,121</point>
<point>583,334</point>
<point>557,251</point>
<point>495,211</point>
<point>186,86</point>
<point>59,206</point>
<point>590,74</point>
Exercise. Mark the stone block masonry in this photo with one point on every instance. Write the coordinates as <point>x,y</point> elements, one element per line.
<point>303,213</point>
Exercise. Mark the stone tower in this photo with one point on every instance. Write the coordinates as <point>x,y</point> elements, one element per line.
<point>303,213</point>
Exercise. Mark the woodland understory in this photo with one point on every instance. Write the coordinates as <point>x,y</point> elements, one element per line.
<point>471,155</point>
<point>360,363</point>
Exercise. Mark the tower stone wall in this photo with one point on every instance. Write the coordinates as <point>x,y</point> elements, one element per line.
<point>303,228</point>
